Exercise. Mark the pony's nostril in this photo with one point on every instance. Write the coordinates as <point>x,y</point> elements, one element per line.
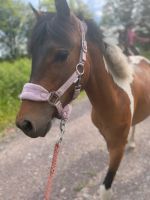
<point>26,126</point>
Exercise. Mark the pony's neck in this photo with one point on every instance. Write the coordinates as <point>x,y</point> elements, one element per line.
<point>99,87</point>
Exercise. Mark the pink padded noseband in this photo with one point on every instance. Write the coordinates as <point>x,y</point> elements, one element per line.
<point>36,92</point>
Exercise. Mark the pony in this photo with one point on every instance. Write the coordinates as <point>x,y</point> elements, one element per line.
<point>69,55</point>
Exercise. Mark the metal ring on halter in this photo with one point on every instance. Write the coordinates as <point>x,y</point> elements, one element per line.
<point>80,72</point>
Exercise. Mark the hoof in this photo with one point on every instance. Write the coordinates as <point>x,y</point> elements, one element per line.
<point>105,194</point>
<point>131,145</point>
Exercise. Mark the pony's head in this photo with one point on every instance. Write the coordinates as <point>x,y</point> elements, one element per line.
<point>56,47</point>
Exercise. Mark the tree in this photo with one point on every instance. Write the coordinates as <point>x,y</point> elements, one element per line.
<point>145,14</point>
<point>121,12</point>
<point>118,12</point>
<point>47,5</point>
<point>16,22</point>
<point>14,27</point>
<point>75,5</point>
<point>78,6</point>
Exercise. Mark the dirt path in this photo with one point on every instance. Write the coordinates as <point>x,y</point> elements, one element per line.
<point>24,163</point>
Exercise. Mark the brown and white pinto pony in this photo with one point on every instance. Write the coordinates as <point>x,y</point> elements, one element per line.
<point>118,87</point>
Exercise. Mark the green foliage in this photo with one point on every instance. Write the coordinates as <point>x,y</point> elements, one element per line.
<point>15,26</point>
<point>120,12</point>
<point>13,75</point>
<point>79,6</point>
<point>16,23</point>
<point>47,5</point>
<point>75,5</point>
<point>145,14</point>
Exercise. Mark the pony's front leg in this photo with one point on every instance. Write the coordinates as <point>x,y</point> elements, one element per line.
<point>116,149</point>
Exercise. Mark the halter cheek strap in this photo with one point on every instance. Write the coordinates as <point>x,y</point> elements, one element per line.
<point>36,92</point>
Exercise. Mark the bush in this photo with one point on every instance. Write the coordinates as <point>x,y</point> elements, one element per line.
<point>13,75</point>
<point>146,54</point>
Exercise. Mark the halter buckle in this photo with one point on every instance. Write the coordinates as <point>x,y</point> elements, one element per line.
<point>53,98</point>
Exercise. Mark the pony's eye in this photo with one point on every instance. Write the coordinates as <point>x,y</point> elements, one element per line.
<point>61,56</point>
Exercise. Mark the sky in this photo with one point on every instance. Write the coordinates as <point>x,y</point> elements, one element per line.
<point>34,2</point>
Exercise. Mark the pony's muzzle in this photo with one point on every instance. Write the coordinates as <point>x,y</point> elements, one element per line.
<point>27,127</point>
<point>31,129</point>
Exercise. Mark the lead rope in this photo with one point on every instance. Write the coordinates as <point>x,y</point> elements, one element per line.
<point>54,162</point>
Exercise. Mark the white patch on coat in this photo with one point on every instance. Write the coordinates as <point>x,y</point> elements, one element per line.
<point>121,72</point>
<point>135,60</point>
<point>105,194</point>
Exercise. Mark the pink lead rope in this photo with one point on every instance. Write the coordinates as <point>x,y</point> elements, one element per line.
<point>52,172</point>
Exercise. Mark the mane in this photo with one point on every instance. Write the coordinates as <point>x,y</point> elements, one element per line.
<point>95,34</point>
<point>118,64</point>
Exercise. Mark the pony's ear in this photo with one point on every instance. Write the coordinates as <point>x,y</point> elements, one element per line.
<point>36,12</point>
<point>62,8</point>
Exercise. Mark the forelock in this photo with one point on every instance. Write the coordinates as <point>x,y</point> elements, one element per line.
<point>50,27</point>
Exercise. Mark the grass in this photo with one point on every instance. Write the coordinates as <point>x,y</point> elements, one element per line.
<point>13,75</point>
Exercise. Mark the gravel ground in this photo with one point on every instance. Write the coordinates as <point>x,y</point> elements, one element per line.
<point>24,163</point>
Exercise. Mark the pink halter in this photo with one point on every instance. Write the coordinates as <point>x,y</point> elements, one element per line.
<point>36,92</point>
